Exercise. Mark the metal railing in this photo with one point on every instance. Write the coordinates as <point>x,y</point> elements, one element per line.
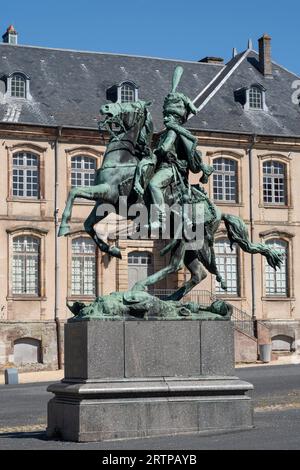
<point>202,297</point>
<point>241,319</point>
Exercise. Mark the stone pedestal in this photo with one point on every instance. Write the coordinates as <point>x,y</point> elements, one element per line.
<point>129,379</point>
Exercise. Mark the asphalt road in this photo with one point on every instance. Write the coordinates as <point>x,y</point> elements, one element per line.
<point>277,418</point>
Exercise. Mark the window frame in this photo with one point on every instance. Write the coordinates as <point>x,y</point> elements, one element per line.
<point>237,158</point>
<point>134,88</point>
<point>98,269</point>
<point>39,234</point>
<point>40,153</point>
<point>26,78</point>
<point>26,168</point>
<point>287,161</point>
<point>262,91</point>
<point>255,96</point>
<point>223,173</point>
<point>272,175</point>
<point>82,171</point>
<point>280,295</point>
<point>83,256</point>
<point>237,255</point>
<point>81,151</point>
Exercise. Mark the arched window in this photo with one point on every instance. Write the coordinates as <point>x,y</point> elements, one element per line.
<point>83,267</point>
<point>274,182</point>
<point>26,265</point>
<point>82,171</point>
<point>255,98</point>
<point>18,86</point>
<point>26,175</point>
<point>127,93</point>
<point>225,179</point>
<point>139,266</point>
<point>227,263</point>
<point>276,281</point>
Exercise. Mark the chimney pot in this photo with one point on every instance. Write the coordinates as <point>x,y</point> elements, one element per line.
<point>265,60</point>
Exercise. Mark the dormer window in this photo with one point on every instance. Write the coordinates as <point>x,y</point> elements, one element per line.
<point>124,92</point>
<point>252,97</point>
<point>127,93</point>
<point>255,98</point>
<point>18,86</point>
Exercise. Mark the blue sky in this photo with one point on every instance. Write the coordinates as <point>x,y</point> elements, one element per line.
<point>185,29</point>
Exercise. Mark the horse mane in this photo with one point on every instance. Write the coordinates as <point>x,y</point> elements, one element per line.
<point>146,133</point>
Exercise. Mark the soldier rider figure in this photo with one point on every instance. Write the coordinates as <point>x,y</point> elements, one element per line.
<point>176,152</point>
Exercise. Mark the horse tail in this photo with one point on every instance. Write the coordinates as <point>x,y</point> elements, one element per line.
<point>238,233</point>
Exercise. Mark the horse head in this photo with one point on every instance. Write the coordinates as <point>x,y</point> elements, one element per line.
<point>121,118</point>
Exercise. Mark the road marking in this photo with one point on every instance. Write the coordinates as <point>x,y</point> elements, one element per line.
<point>278,407</point>
<point>26,428</point>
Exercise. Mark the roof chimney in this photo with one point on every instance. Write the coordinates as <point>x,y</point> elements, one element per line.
<point>212,60</point>
<point>10,36</point>
<point>265,62</point>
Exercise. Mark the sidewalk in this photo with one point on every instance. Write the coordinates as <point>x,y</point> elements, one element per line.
<point>56,375</point>
<point>42,376</point>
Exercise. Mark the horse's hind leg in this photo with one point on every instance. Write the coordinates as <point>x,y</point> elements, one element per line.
<point>193,264</point>
<point>93,193</point>
<point>176,262</point>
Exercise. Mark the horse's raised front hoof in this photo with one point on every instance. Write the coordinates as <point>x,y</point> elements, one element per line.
<point>115,251</point>
<point>64,230</point>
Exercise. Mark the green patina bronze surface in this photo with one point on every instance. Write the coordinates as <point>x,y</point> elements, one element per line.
<point>130,168</point>
<point>144,306</point>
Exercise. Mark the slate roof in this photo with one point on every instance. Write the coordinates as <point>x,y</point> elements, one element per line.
<point>68,87</point>
<point>223,112</point>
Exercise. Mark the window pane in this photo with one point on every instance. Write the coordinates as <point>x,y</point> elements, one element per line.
<point>25,175</point>
<point>274,182</point>
<point>83,171</point>
<point>227,263</point>
<point>25,265</point>
<point>225,180</point>
<point>18,86</point>
<point>127,93</point>
<point>83,267</point>
<point>255,98</point>
<point>276,281</point>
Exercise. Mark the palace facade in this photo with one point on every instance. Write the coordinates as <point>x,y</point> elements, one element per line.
<point>248,128</point>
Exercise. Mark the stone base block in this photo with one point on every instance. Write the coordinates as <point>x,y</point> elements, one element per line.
<point>136,409</point>
<point>139,379</point>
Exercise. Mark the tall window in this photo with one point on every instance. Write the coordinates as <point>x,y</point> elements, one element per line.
<point>227,263</point>
<point>18,86</point>
<point>225,179</point>
<point>255,98</point>
<point>26,265</point>
<point>83,171</point>
<point>274,182</point>
<point>83,267</point>
<point>26,175</point>
<point>276,281</point>
<point>127,93</point>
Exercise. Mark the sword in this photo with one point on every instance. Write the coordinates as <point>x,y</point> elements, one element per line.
<point>176,77</point>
